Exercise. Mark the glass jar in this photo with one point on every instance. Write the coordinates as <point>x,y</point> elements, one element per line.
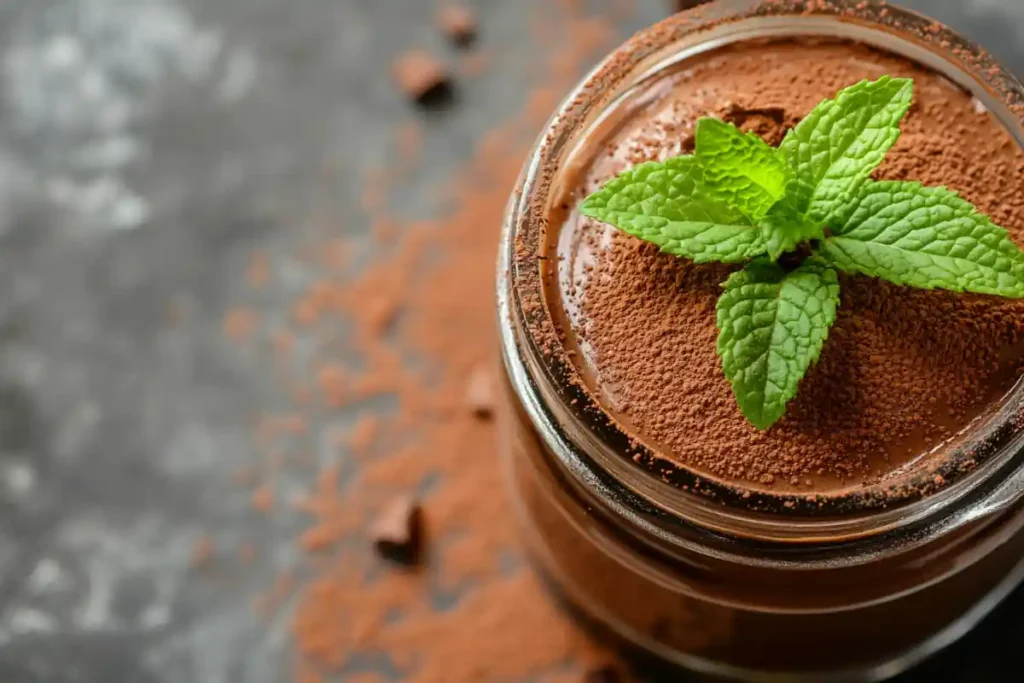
<point>783,593</point>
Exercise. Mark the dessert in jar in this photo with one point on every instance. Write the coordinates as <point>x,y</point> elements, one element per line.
<point>880,517</point>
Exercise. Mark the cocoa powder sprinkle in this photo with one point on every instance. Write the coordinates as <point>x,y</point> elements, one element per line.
<point>498,623</point>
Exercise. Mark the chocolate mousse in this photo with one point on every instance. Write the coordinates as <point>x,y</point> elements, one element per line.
<point>904,371</point>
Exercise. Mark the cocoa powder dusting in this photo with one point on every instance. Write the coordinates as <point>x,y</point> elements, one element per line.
<point>902,370</point>
<point>391,344</point>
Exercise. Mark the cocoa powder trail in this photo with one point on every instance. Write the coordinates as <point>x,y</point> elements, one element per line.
<point>393,339</point>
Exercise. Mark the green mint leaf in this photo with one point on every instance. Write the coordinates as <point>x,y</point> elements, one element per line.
<point>772,326</point>
<point>924,237</point>
<point>783,228</point>
<point>740,169</point>
<point>835,148</point>
<point>658,202</point>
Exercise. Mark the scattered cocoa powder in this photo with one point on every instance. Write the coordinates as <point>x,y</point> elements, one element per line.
<point>363,434</point>
<point>333,382</point>
<point>903,369</point>
<point>498,623</point>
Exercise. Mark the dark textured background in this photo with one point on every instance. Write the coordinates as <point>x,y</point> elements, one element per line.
<point>146,148</point>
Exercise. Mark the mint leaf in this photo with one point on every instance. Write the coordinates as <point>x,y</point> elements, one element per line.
<point>783,228</point>
<point>772,325</point>
<point>924,237</point>
<point>656,202</point>
<point>835,148</point>
<point>740,169</point>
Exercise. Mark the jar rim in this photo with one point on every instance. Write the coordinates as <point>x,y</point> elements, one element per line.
<point>552,375</point>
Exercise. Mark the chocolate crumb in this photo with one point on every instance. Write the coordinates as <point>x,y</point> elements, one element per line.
<point>398,531</point>
<point>422,77</point>
<point>458,23</point>
<point>770,123</point>
<point>480,394</point>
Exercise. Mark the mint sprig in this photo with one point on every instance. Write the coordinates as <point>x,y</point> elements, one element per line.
<point>796,215</point>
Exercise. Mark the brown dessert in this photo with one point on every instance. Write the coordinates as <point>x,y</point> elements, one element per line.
<point>904,370</point>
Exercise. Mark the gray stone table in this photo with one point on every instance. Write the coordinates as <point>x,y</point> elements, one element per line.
<point>146,148</point>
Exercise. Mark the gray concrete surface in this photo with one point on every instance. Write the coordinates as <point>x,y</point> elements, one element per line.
<point>146,148</point>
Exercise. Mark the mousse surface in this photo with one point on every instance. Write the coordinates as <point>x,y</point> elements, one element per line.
<point>903,371</point>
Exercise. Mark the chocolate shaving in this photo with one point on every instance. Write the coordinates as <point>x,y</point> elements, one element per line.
<point>480,394</point>
<point>423,78</point>
<point>458,23</point>
<point>398,531</point>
